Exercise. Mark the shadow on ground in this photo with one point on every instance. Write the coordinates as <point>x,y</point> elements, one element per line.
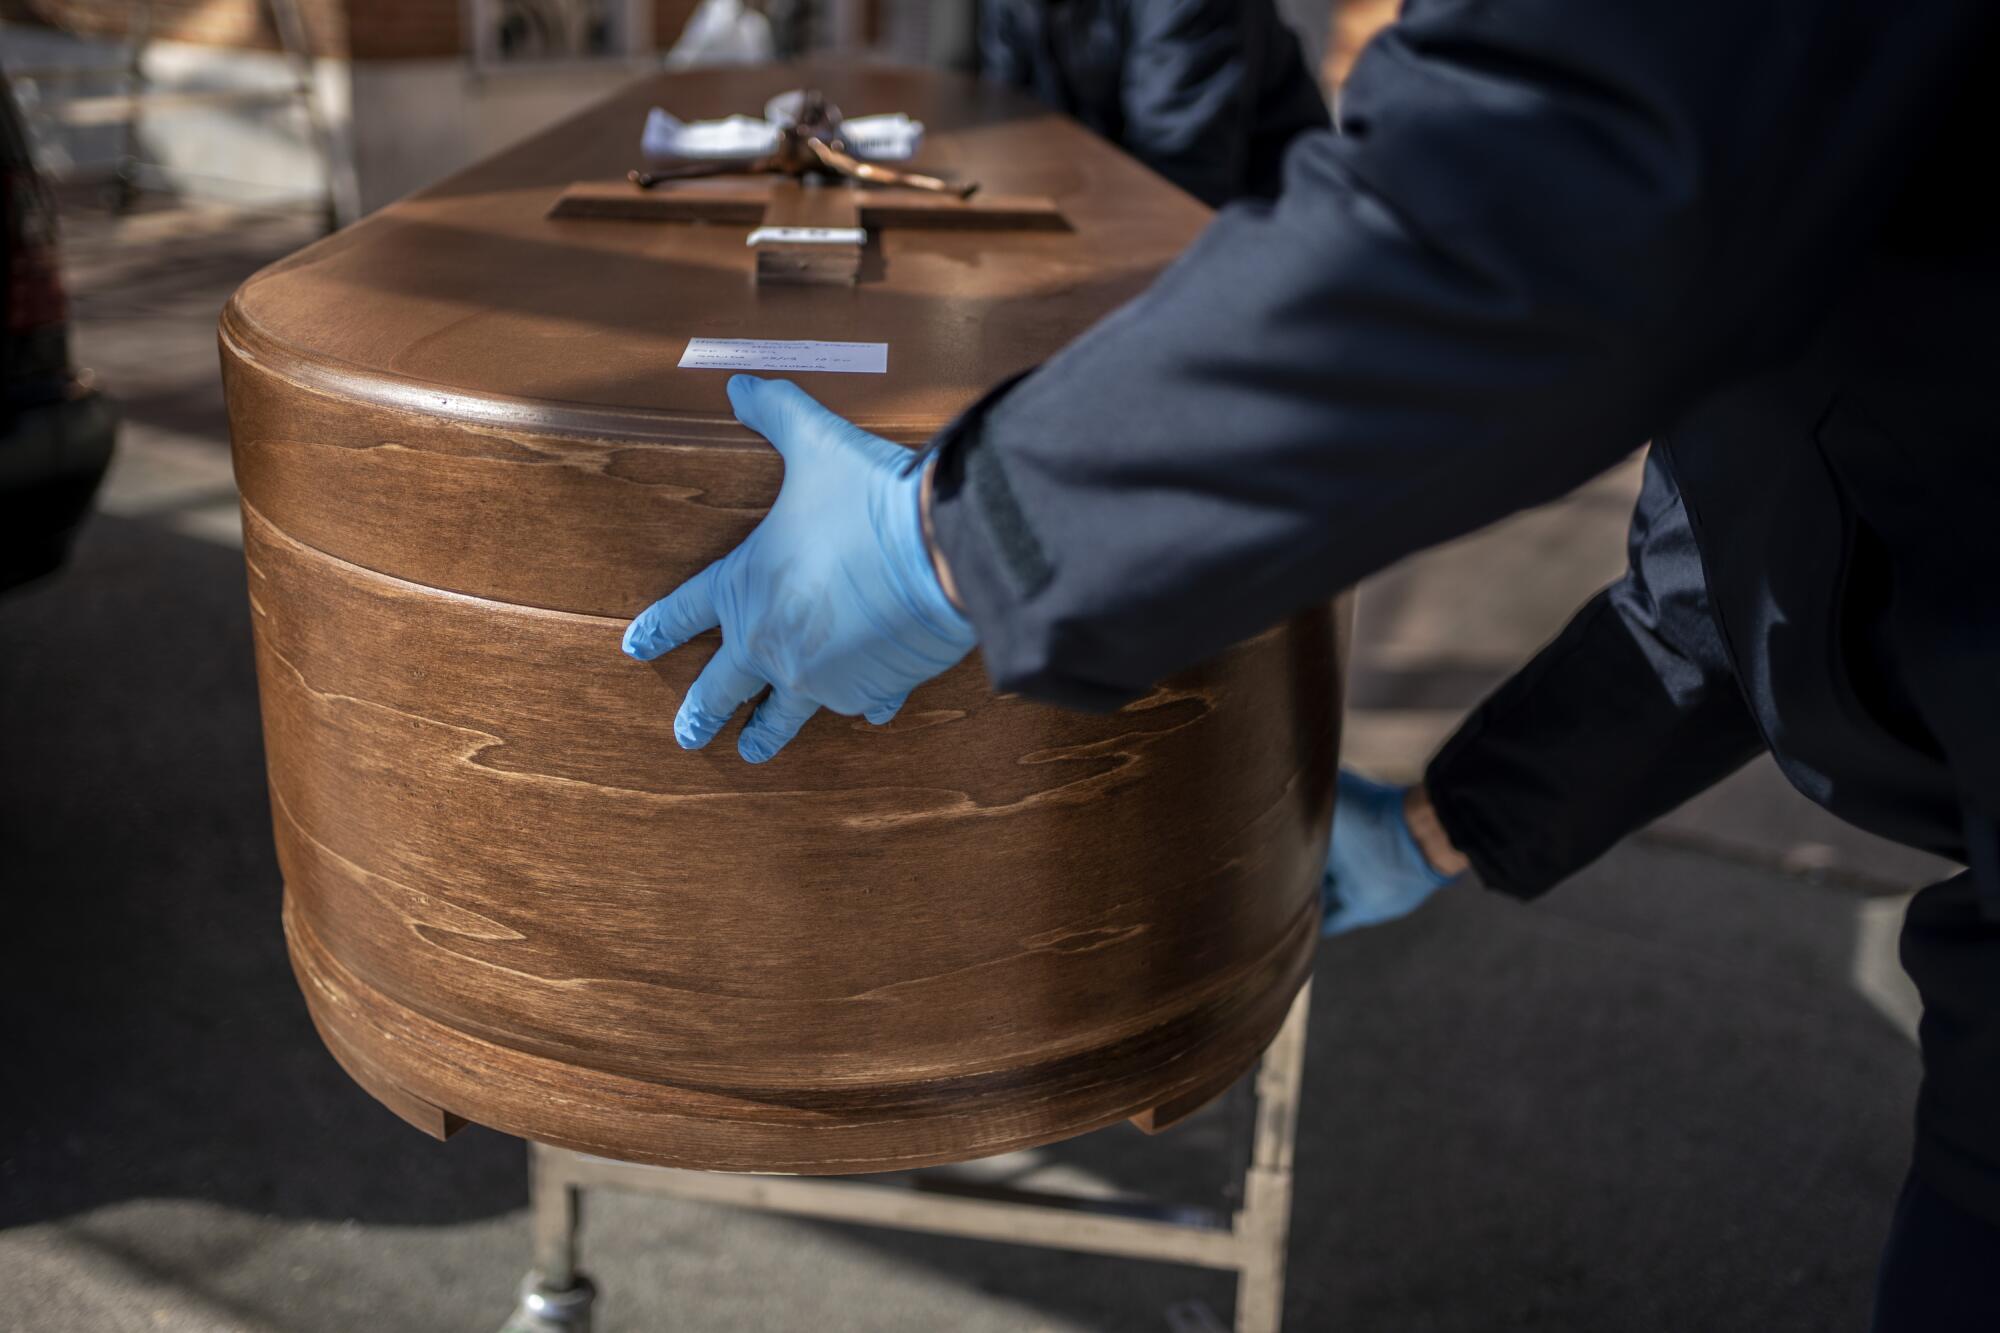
<point>1651,1102</point>
<point>156,1044</point>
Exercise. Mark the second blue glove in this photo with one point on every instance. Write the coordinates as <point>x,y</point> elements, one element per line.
<point>1375,871</point>
<point>831,601</point>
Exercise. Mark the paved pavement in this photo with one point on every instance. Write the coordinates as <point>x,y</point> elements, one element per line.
<point>1674,1095</point>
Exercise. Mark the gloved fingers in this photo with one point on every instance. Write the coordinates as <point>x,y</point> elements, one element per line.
<point>1338,913</point>
<point>882,714</point>
<point>788,416</point>
<point>1353,783</point>
<point>1340,922</point>
<point>675,618</point>
<point>773,725</point>
<point>720,689</point>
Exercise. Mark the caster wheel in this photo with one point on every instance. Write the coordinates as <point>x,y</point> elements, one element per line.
<point>545,1310</point>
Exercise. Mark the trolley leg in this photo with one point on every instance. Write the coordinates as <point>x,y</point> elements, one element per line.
<point>555,1296</point>
<point>1265,1221</point>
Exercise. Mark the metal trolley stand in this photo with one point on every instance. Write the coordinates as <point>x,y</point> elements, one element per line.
<point>556,1296</point>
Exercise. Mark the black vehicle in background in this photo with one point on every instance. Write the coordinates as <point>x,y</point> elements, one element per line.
<point>56,432</point>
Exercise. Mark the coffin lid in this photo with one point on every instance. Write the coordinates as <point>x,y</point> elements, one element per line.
<point>466,301</point>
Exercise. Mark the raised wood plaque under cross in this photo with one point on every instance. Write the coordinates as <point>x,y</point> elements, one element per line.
<point>812,207</point>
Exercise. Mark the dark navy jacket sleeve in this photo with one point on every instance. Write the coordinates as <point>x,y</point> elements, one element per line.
<point>1632,709</point>
<point>1547,225</point>
<point>1211,93</point>
<point>1206,92</point>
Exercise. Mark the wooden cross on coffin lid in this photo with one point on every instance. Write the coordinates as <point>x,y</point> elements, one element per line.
<point>810,223</point>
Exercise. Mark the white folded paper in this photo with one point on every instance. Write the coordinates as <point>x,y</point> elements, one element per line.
<point>888,138</point>
<point>839,358</point>
<point>739,136</point>
<point>807,236</point>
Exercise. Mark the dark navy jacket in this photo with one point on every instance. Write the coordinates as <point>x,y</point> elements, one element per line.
<point>1550,231</point>
<point>1206,92</point>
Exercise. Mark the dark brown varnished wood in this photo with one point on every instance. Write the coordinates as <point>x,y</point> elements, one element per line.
<point>512,899</point>
<point>795,204</point>
<point>746,202</point>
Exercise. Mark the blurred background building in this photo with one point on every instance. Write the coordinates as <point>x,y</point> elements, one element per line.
<point>357,102</point>
<point>352,101</point>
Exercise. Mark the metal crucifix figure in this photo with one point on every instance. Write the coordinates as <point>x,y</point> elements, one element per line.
<point>810,145</point>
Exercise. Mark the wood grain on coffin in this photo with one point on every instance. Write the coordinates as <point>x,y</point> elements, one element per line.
<point>512,899</point>
<point>509,716</point>
<point>760,1129</point>
<point>598,526</point>
<point>592,901</point>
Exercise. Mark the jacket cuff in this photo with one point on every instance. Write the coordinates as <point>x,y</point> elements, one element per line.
<point>1479,836</point>
<point>998,564</point>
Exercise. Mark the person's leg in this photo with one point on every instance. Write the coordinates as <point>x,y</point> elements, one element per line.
<point>1941,1271</point>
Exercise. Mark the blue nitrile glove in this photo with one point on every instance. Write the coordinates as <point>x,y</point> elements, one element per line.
<point>831,600</point>
<point>1375,871</point>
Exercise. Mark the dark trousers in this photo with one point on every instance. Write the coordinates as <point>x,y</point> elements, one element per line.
<point>1941,1270</point>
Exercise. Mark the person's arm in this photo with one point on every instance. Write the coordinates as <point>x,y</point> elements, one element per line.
<point>1210,91</point>
<point>1631,710</point>
<point>1205,92</point>
<point>1548,226</point>
<point>1007,43</point>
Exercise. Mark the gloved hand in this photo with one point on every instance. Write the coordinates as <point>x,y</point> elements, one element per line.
<point>1375,871</point>
<point>831,601</point>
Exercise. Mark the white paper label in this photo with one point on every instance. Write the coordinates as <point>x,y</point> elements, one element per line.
<point>781,354</point>
<point>807,236</point>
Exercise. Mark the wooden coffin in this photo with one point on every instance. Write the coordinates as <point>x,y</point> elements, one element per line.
<point>467,457</point>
